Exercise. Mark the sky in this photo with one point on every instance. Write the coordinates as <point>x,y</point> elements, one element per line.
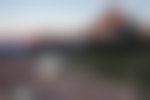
<point>62,14</point>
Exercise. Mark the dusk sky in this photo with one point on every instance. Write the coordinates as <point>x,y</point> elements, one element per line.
<point>62,13</point>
